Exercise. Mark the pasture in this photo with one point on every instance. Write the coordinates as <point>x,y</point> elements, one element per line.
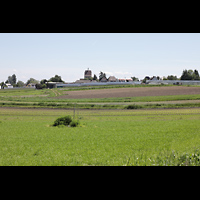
<point>118,126</point>
<point>104,137</point>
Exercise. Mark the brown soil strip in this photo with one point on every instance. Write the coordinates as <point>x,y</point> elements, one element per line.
<point>131,92</point>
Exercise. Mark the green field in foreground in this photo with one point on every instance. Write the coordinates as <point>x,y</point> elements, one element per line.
<point>117,137</point>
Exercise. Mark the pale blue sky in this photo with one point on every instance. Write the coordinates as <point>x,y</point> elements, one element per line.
<point>42,55</point>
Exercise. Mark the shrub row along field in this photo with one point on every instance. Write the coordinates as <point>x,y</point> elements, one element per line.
<point>117,137</point>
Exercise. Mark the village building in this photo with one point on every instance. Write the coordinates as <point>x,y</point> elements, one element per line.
<point>104,79</point>
<point>154,78</point>
<point>112,79</point>
<point>87,74</point>
<point>82,81</point>
<point>122,80</point>
<point>9,85</point>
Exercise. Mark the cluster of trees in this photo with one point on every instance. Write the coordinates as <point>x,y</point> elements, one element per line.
<point>43,83</point>
<point>186,75</point>
<point>190,75</point>
<point>13,81</point>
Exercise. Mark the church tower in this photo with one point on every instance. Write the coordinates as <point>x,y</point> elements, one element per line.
<point>87,74</point>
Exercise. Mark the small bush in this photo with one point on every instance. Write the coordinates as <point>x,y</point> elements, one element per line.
<point>66,121</point>
<point>63,121</point>
<point>74,123</point>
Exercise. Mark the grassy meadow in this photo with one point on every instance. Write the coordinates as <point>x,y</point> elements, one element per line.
<point>104,137</point>
<point>112,131</point>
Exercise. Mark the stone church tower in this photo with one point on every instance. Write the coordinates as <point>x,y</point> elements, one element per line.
<point>87,74</point>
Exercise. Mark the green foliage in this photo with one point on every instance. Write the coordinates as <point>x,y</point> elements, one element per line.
<point>20,84</point>
<point>32,80</point>
<point>166,158</point>
<point>43,81</point>
<point>63,121</point>
<point>189,159</point>
<point>12,79</point>
<point>40,86</point>
<point>56,79</point>
<point>66,121</point>
<point>74,123</point>
<point>171,77</point>
<point>190,75</point>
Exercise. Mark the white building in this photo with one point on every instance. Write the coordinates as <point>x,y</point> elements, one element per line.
<point>9,85</point>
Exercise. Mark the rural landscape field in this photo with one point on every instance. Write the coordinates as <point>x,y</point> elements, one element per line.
<point>118,126</point>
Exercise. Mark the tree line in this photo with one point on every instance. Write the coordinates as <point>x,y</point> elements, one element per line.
<point>186,75</point>
<point>39,84</point>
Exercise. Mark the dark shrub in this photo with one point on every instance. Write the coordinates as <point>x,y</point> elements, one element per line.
<point>133,106</point>
<point>63,121</point>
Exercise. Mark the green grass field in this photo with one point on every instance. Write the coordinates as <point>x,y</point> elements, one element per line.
<point>113,137</point>
<point>112,131</point>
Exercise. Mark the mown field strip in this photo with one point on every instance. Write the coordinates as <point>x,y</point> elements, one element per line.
<point>55,112</point>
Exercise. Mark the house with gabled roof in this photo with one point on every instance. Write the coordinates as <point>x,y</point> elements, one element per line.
<point>112,79</point>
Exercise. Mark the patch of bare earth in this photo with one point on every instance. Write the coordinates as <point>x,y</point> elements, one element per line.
<point>131,92</point>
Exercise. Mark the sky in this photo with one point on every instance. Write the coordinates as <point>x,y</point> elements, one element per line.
<point>124,55</point>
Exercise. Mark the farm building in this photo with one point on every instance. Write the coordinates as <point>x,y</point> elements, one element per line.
<point>87,74</point>
<point>173,82</point>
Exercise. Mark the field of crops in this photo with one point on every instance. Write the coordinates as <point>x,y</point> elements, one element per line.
<point>116,137</point>
<point>133,97</point>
